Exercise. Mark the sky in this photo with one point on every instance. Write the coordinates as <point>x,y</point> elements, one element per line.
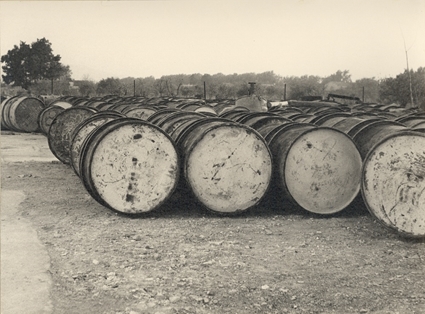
<point>101,39</point>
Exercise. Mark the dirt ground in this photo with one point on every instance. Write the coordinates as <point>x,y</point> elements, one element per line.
<point>182,259</point>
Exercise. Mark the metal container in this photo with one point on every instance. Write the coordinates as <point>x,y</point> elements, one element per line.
<point>20,114</point>
<point>318,168</point>
<point>60,131</point>
<point>83,130</point>
<point>227,166</point>
<point>393,182</point>
<point>373,133</point>
<point>129,165</point>
<point>46,116</point>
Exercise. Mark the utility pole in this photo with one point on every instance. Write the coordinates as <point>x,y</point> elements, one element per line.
<point>408,71</point>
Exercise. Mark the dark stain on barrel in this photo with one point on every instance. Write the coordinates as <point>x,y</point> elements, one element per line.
<point>309,145</point>
<point>134,160</point>
<point>137,136</point>
<point>129,198</point>
<point>130,186</point>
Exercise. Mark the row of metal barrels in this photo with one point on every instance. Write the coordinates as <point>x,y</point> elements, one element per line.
<point>22,113</point>
<point>320,160</point>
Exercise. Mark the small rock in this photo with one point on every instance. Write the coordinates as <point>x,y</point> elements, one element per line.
<point>265,287</point>
<point>196,298</point>
<point>363,311</point>
<point>174,298</point>
<point>95,261</point>
<point>137,238</point>
<point>268,232</point>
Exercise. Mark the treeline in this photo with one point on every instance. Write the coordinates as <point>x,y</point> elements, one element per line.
<point>36,70</point>
<point>268,85</point>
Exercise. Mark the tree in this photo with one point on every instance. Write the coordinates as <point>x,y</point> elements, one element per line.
<point>110,86</point>
<point>26,65</point>
<point>397,90</point>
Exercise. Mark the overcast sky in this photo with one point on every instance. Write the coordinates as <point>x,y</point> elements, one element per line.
<point>100,39</point>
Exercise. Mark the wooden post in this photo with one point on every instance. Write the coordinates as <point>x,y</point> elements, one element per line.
<point>205,91</point>
<point>363,94</point>
<point>284,91</point>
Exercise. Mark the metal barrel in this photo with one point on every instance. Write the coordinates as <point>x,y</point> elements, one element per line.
<point>318,168</point>
<point>226,165</point>
<point>46,116</point>
<point>259,122</point>
<point>20,114</point>
<point>173,120</point>
<point>159,114</point>
<point>83,130</point>
<point>61,103</point>
<point>330,118</point>
<point>393,181</point>
<point>60,131</point>
<point>373,133</point>
<point>140,112</point>
<point>4,114</point>
<point>129,165</point>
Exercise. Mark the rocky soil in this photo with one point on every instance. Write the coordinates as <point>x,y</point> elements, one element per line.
<point>181,259</point>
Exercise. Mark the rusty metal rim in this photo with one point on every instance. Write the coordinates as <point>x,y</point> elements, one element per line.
<point>362,187</point>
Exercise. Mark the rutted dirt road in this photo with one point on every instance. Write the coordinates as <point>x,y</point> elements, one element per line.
<point>181,259</point>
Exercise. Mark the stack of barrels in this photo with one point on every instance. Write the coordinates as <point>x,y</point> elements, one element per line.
<point>132,153</point>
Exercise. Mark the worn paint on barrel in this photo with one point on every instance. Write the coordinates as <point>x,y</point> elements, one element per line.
<point>46,117</point>
<point>228,167</point>
<point>318,168</point>
<point>140,112</point>
<point>61,129</point>
<point>21,114</point>
<point>82,131</point>
<point>133,166</point>
<point>393,182</point>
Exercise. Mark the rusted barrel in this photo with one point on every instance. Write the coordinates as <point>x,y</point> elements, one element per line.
<point>20,114</point>
<point>318,168</point>
<point>83,130</point>
<point>60,131</point>
<point>4,114</point>
<point>140,112</point>
<point>129,165</point>
<point>226,165</point>
<point>46,117</point>
<point>159,114</point>
<point>330,118</point>
<point>351,125</point>
<point>393,181</point>
<point>260,121</point>
<point>411,121</point>
<point>173,120</point>
<point>373,133</point>
<point>187,126</point>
